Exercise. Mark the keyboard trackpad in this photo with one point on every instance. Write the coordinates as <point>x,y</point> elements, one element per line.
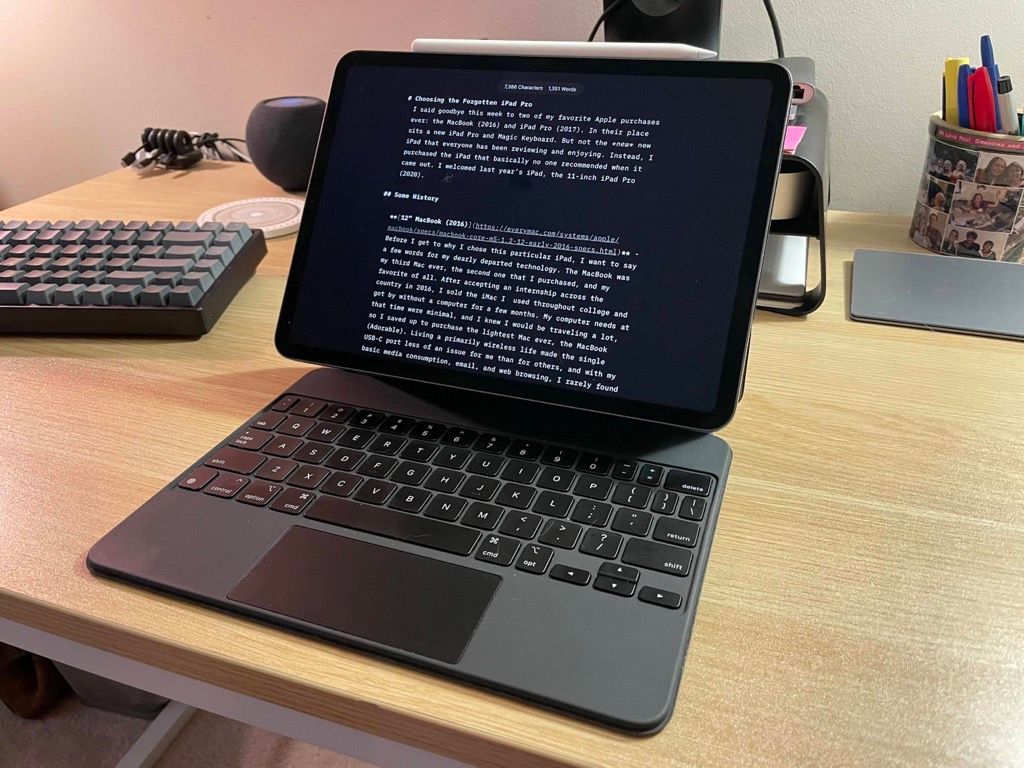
<point>390,597</point>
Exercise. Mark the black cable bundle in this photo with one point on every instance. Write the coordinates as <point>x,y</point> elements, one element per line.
<point>177,149</point>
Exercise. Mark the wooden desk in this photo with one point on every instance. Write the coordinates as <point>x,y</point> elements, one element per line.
<point>864,603</point>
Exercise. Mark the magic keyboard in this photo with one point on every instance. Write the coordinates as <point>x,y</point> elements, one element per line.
<point>511,502</point>
<point>122,277</point>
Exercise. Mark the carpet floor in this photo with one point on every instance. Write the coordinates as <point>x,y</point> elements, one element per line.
<point>76,736</point>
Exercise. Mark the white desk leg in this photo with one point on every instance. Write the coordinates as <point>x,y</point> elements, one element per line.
<point>157,737</point>
<point>235,706</point>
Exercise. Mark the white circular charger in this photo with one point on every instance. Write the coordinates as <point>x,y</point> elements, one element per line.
<point>276,216</point>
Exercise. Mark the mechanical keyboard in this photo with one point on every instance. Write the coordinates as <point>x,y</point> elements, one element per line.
<point>122,278</point>
<point>511,502</point>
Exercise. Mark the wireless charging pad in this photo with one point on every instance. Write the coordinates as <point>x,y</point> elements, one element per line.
<point>276,216</point>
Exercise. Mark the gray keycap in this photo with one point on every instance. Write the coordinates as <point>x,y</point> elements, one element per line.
<point>126,295</point>
<point>97,295</point>
<point>200,279</point>
<point>163,265</point>
<point>74,237</point>
<point>87,225</point>
<point>66,262</point>
<point>222,254</point>
<point>99,251</point>
<point>22,251</point>
<point>99,237</point>
<point>64,276</point>
<point>230,240</point>
<point>136,226</point>
<point>5,236</point>
<point>149,237</point>
<point>38,224</point>
<point>39,262</point>
<point>14,262</point>
<point>15,224</point>
<point>24,237</point>
<point>4,251</point>
<point>70,294</point>
<point>212,226</point>
<point>12,276</point>
<point>49,237</point>
<point>126,252</point>
<point>92,277</point>
<point>240,227</point>
<point>63,225</point>
<point>117,265</point>
<point>184,252</point>
<point>128,277</point>
<point>112,225</point>
<point>152,252</point>
<point>186,226</point>
<point>155,296</point>
<point>211,267</point>
<point>171,279</point>
<point>161,226</point>
<point>124,237</point>
<point>204,239</point>
<point>37,276</point>
<point>40,294</point>
<point>185,296</point>
<point>91,262</point>
<point>13,293</point>
<point>74,252</point>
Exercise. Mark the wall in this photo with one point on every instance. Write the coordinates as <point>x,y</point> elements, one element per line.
<point>81,78</point>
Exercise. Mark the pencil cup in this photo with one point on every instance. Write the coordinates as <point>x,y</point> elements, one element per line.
<point>969,200</point>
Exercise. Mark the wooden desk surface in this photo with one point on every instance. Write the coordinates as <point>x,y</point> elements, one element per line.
<point>864,603</point>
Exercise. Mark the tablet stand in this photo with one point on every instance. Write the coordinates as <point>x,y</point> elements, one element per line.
<point>789,240</point>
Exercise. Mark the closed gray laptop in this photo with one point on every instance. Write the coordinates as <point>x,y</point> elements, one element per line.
<point>947,293</point>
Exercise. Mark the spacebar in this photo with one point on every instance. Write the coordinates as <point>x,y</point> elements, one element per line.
<point>394,525</point>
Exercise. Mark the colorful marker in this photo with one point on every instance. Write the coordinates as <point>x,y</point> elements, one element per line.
<point>951,110</point>
<point>988,61</point>
<point>963,92</point>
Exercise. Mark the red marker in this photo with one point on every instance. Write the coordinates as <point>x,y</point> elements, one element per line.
<point>983,101</point>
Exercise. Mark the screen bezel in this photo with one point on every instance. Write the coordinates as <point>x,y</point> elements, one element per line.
<point>739,324</point>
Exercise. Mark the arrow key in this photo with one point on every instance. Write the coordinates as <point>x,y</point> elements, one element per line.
<point>570,574</point>
<point>619,572</point>
<point>661,597</point>
<point>614,586</point>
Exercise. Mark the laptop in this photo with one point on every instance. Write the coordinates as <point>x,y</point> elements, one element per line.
<point>529,284</point>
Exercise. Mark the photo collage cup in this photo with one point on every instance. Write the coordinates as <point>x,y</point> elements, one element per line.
<point>969,201</point>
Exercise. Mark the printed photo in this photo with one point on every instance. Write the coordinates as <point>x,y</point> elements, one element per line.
<point>1001,170</point>
<point>973,243</point>
<point>948,163</point>
<point>927,227</point>
<point>936,194</point>
<point>980,206</point>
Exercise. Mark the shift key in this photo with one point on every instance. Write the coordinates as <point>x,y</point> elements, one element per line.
<point>657,557</point>
<point>235,460</point>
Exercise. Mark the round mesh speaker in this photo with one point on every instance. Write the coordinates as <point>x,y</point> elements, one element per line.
<point>281,138</point>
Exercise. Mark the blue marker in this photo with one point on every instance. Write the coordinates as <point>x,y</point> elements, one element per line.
<point>963,103</point>
<point>988,61</point>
